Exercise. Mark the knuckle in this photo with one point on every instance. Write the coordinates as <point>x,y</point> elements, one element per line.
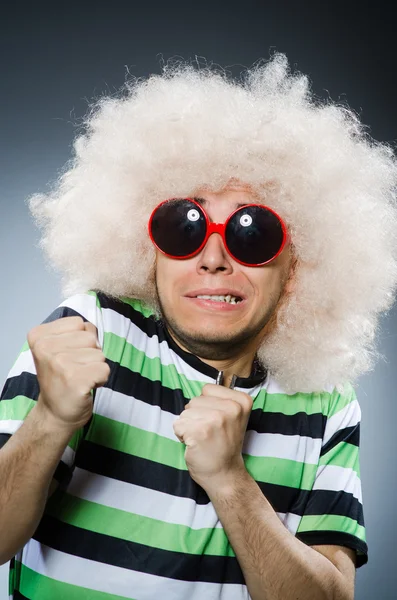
<point>77,321</point>
<point>40,347</point>
<point>101,357</point>
<point>90,327</point>
<point>32,335</point>
<point>103,371</point>
<point>89,339</point>
<point>250,401</point>
<point>106,368</point>
<point>237,409</point>
<point>220,419</point>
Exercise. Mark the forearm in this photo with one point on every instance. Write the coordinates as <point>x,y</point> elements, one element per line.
<point>27,463</point>
<point>276,565</point>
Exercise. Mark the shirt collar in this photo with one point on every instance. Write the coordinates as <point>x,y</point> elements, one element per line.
<point>257,376</point>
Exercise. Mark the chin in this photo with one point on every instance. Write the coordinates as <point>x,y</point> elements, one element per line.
<point>210,334</point>
<point>211,344</point>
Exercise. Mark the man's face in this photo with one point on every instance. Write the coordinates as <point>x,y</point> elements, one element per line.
<point>209,328</point>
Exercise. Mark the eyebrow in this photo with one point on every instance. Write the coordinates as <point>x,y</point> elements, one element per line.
<point>203,202</point>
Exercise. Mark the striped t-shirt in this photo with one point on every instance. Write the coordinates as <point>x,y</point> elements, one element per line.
<point>127,520</point>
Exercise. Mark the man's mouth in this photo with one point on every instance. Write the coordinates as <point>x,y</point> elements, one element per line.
<point>229,299</point>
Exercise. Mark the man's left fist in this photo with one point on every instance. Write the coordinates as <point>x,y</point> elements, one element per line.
<point>213,427</point>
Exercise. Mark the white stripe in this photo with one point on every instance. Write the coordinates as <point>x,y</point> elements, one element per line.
<point>9,425</point>
<point>68,456</point>
<point>24,363</point>
<point>349,416</point>
<point>85,305</point>
<point>331,477</point>
<point>291,521</point>
<point>276,445</point>
<point>273,387</point>
<point>123,582</point>
<point>129,410</point>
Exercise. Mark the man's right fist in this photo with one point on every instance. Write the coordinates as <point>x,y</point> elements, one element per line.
<point>69,364</point>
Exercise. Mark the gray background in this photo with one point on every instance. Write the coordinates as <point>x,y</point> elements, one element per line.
<point>55,58</point>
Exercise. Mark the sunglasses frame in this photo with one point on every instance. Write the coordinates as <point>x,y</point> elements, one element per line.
<point>219,228</point>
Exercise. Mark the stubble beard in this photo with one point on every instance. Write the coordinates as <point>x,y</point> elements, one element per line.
<point>220,346</point>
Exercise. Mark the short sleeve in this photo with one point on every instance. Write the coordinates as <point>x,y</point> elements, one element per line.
<point>21,388</point>
<point>334,511</point>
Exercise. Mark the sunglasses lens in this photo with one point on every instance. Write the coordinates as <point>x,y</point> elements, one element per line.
<point>254,235</point>
<point>178,227</point>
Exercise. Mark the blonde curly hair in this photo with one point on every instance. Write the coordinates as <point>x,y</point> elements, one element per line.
<point>310,160</point>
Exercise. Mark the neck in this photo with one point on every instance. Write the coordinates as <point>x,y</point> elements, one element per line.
<point>239,365</point>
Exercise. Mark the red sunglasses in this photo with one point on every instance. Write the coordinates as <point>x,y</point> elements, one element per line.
<point>253,234</point>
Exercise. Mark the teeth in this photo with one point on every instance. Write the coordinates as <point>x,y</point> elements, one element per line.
<point>230,299</point>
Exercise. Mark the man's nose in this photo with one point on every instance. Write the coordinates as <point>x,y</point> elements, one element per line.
<point>214,256</point>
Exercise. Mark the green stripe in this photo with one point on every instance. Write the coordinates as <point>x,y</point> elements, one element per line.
<point>17,408</point>
<point>339,401</point>
<point>117,349</point>
<point>137,528</point>
<point>35,585</point>
<point>281,471</point>
<point>342,455</point>
<point>139,306</point>
<point>289,405</point>
<point>76,438</point>
<point>331,523</point>
<point>151,446</point>
<point>13,577</point>
<point>135,441</point>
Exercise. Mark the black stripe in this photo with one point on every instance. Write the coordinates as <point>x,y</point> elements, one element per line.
<point>18,596</point>
<point>4,437</point>
<point>336,538</point>
<point>61,312</point>
<point>63,474</point>
<point>25,384</point>
<point>138,471</point>
<point>300,423</point>
<point>138,557</point>
<point>348,434</point>
<point>128,382</point>
<point>155,476</point>
<point>328,502</point>
<point>135,385</point>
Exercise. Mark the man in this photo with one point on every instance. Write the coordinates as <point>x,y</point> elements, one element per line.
<point>187,427</point>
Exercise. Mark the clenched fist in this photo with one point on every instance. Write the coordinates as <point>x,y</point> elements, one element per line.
<point>69,364</point>
<point>213,427</point>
